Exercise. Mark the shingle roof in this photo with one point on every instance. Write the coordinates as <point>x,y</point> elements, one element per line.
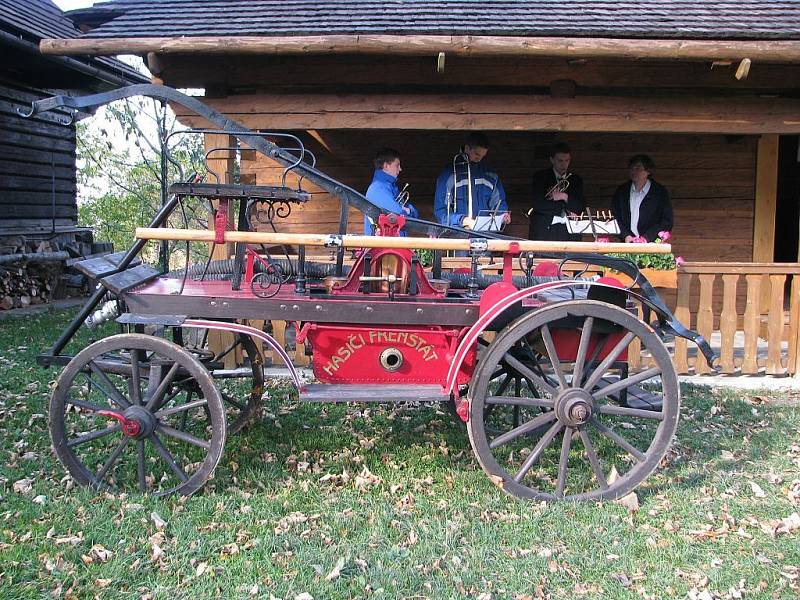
<point>34,20</point>
<point>675,19</point>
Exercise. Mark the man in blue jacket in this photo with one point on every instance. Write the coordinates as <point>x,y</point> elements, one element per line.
<point>383,191</point>
<point>453,188</point>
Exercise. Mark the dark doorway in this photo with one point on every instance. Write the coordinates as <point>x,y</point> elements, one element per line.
<point>787,214</point>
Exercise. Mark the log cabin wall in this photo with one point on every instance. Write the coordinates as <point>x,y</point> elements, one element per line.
<point>37,165</point>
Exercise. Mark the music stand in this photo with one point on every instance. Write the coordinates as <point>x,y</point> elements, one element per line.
<point>489,220</point>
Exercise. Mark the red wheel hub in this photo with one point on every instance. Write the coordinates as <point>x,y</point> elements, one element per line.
<point>131,427</point>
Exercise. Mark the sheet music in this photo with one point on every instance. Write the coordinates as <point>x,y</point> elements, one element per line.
<point>610,227</point>
<point>489,222</point>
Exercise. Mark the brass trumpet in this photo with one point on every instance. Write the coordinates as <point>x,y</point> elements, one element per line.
<point>561,185</point>
<point>403,196</point>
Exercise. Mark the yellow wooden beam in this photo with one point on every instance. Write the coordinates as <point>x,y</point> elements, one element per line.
<point>369,241</point>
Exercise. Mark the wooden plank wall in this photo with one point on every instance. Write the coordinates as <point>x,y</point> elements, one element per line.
<point>37,165</point>
<point>711,179</point>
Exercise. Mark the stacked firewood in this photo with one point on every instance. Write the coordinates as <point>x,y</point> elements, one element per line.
<point>26,283</point>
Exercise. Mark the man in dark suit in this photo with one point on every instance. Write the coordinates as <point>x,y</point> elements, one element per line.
<point>642,206</point>
<point>553,204</point>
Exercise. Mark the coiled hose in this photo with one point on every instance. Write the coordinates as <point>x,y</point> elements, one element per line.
<point>223,269</point>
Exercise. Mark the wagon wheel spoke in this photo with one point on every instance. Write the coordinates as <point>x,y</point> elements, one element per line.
<point>154,402</point>
<point>503,384</point>
<point>593,460</point>
<point>226,351</point>
<point>498,372</point>
<point>623,411</point>
<point>526,372</point>
<point>184,437</point>
<point>566,442</point>
<point>608,361</point>
<point>109,389</point>
<point>182,408</point>
<point>101,474</point>
<point>233,402</point>
<point>625,383</point>
<point>583,347</point>
<point>94,435</point>
<point>533,457</point>
<point>90,406</point>
<point>547,338</point>
<point>531,425</point>
<point>168,458</point>
<point>135,383</point>
<point>140,466</point>
<point>619,440</point>
<point>520,401</point>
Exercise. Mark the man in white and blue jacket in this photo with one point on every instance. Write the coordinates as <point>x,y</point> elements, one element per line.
<point>451,202</point>
<point>383,190</point>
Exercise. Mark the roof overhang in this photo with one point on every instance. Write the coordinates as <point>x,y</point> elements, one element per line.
<point>773,51</point>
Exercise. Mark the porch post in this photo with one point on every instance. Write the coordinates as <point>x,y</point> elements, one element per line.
<point>765,206</point>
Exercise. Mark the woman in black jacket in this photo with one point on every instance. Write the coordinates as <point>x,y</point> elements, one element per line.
<point>642,206</point>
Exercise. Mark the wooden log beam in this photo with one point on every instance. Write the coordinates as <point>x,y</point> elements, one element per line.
<point>510,112</point>
<point>780,51</point>
<point>370,241</point>
<point>286,72</point>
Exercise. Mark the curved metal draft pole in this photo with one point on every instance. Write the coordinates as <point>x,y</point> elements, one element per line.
<point>255,141</point>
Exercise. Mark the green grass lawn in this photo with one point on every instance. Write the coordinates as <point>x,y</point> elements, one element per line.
<point>388,502</point>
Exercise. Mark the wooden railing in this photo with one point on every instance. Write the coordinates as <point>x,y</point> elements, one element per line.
<point>749,325</point>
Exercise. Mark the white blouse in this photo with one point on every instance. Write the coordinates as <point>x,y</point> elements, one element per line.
<point>636,202</point>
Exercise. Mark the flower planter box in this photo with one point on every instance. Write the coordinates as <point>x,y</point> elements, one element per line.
<point>657,278</point>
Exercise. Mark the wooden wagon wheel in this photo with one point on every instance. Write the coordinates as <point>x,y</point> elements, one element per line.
<point>507,381</point>
<point>242,402</point>
<point>121,417</point>
<point>576,441</point>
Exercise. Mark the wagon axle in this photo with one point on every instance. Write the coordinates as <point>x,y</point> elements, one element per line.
<point>136,422</point>
<point>574,407</point>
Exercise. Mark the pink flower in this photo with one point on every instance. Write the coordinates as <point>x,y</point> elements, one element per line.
<point>679,260</point>
<point>664,236</point>
<point>603,240</point>
<point>639,240</point>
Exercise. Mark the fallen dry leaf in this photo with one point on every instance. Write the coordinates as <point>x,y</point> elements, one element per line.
<point>630,501</point>
<point>158,552</point>
<point>757,491</point>
<point>337,569</point>
<point>157,520</point>
<point>23,486</point>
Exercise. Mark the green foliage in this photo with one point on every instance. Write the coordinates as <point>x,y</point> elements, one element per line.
<point>425,256</point>
<point>120,173</point>
<point>647,260</point>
